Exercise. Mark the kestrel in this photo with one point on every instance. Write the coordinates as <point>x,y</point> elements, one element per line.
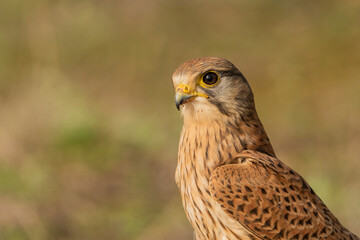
<point>231,183</point>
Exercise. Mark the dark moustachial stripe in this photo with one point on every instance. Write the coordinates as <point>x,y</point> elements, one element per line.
<point>217,103</point>
<point>220,106</point>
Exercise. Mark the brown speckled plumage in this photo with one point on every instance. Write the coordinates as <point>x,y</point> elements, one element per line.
<point>231,183</point>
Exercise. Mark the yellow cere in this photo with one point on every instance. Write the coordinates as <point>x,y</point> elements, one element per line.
<point>187,90</point>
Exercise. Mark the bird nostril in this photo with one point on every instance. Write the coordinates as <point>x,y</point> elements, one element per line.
<point>183,88</point>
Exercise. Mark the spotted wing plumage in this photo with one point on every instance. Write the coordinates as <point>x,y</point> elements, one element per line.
<point>272,201</point>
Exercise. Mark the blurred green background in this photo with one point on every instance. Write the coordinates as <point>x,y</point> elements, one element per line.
<point>88,126</point>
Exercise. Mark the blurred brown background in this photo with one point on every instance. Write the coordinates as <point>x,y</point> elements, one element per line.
<point>88,126</point>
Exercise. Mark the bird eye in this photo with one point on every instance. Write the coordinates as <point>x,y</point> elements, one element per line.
<point>210,79</point>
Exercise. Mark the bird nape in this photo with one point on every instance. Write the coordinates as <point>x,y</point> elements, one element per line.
<point>231,183</point>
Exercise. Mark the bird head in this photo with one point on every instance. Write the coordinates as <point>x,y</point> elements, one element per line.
<point>211,87</point>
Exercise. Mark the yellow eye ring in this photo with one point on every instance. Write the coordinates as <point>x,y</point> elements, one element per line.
<point>209,79</point>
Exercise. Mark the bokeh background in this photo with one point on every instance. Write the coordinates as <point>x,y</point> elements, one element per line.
<point>88,126</point>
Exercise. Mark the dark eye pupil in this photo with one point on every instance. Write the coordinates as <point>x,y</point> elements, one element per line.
<point>210,78</point>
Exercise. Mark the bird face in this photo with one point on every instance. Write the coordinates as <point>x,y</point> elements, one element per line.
<point>209,87</point>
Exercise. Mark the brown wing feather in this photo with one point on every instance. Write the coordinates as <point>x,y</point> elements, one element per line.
<point>272,201</point>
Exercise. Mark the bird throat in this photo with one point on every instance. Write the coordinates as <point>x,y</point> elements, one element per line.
<point>216,142</point>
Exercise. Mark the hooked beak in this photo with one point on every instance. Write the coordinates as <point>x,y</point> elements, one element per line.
<point>185,94</point>
<point>181,98</point>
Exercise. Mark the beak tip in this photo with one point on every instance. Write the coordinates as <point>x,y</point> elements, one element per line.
<point>181,98</point>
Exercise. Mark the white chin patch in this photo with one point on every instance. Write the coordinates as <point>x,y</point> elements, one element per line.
<point>199,109</point>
